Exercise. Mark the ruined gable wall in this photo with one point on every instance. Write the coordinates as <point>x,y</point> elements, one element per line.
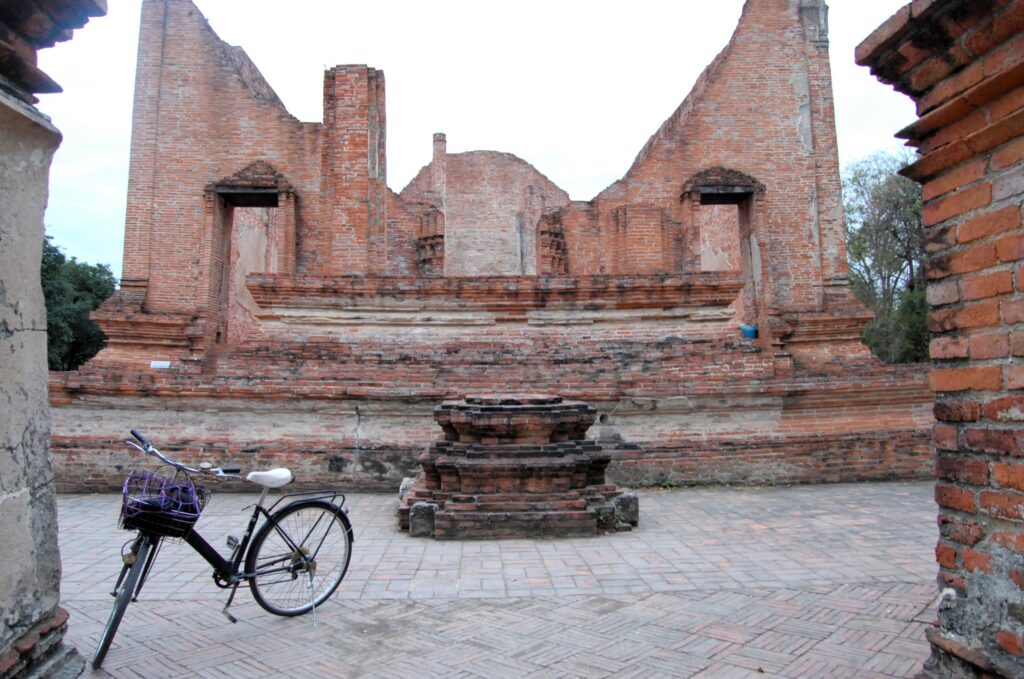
<point>338,376</point>
<point>202,112</point>
<point>755,115</point>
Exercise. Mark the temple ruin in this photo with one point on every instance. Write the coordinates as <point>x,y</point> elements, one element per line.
<point>281,304</point>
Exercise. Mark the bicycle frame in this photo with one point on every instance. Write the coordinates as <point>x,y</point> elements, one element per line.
<point>226,572</point>
<point>293,555</point>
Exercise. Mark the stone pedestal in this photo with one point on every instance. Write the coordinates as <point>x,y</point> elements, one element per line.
<point>514,465</point>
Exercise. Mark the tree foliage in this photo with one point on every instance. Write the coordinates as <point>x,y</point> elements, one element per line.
<point>885,250</point>
<point>72,289</point>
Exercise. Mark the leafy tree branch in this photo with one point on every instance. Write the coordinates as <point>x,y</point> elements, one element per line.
<point>885,251</point>
<point>72,289</point>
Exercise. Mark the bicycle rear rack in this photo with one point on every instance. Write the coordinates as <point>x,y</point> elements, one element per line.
<point>328,495</point>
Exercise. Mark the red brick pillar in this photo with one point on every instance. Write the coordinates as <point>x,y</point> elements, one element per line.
<point>289,209</point>
<point>353,173</point>
<point>963,63</point>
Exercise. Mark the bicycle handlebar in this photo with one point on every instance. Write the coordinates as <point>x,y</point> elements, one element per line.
<point>142,439</point>
<point>148,448</point>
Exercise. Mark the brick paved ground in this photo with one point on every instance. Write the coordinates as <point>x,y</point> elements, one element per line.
<point>826,581</point>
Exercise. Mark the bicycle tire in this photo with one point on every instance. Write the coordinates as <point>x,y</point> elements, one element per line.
<point>124,595</point>
<point>278,574</point>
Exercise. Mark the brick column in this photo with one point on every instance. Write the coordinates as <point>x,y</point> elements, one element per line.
<point>289,209</point>
<point>961,62</point>
<point>353,212</point>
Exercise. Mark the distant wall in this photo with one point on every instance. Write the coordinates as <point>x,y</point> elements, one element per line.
<point>492,203</point>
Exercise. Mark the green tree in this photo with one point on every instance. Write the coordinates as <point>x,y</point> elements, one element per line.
<point>885,250</point>
<point>72,289</point>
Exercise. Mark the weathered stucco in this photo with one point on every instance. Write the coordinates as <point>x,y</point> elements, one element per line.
<point>29,557</point>
<point>29,560</point>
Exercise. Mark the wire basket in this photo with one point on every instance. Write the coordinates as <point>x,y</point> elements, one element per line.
<point>159,505</point>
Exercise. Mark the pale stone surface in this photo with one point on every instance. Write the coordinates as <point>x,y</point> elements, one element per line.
<point>29,558</point>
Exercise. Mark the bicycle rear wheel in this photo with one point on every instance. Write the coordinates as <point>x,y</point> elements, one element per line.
<point>299,557</point>
<point>123,594</point>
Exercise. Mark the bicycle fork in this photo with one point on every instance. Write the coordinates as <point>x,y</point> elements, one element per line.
<point>129,561</point>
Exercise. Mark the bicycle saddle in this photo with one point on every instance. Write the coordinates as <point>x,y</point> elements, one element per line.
<point>272,478</point>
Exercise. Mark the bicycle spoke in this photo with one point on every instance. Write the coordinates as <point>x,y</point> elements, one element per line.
<point>298,562</point>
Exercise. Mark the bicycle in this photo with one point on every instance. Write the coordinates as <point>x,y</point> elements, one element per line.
<point>293,562</point>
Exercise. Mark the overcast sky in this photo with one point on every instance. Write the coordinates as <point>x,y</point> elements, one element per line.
<point>575,88</point>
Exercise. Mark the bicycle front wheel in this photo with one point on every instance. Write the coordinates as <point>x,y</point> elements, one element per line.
<point>299,557</point>
<point>139,552</point>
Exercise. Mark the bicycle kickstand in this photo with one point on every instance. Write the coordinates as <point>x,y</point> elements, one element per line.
<point>312,597</point>
<point>231,597</point>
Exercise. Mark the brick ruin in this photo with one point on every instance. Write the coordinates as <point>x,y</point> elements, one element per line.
<point>962,62</point>
<point>514,465</point>
<point>280,304</point>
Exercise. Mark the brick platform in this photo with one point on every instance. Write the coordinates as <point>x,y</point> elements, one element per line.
<point>814,582</point>
<point>514,465</point>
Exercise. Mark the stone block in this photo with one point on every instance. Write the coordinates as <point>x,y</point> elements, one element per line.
<point>627,508</point>
<point>421,519</point>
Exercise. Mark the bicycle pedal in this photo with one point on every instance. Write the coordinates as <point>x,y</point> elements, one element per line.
<point>229,616</point>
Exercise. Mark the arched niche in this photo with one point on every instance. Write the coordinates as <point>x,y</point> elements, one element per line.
<point>250,225</point>
<point>721,206</point>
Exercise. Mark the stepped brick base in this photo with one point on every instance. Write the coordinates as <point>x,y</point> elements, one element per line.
<point>514,465</point>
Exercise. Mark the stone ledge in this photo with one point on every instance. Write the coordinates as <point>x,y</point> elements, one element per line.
<point>41,652</point>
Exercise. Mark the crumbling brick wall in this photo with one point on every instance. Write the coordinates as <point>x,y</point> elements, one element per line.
<point>492,203</point>
<point>963,64</point>
<point>482,276</point>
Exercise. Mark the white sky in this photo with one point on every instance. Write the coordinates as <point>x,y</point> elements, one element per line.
<point>575,88</point>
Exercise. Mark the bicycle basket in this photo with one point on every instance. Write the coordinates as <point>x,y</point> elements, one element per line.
<point>163,506</point>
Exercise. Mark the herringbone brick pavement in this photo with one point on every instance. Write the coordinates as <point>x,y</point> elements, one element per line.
<point>825,581</point>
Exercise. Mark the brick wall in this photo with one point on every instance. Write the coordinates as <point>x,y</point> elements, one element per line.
<point>492,203</point>
<point>963,64</point>
<point>790,117</point>
<point>348,239</point>
<point>202,112</point>
<point>323,335</point>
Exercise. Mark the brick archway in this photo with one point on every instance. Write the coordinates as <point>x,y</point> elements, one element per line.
<point>723,207</point>
<point>256,186</point>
